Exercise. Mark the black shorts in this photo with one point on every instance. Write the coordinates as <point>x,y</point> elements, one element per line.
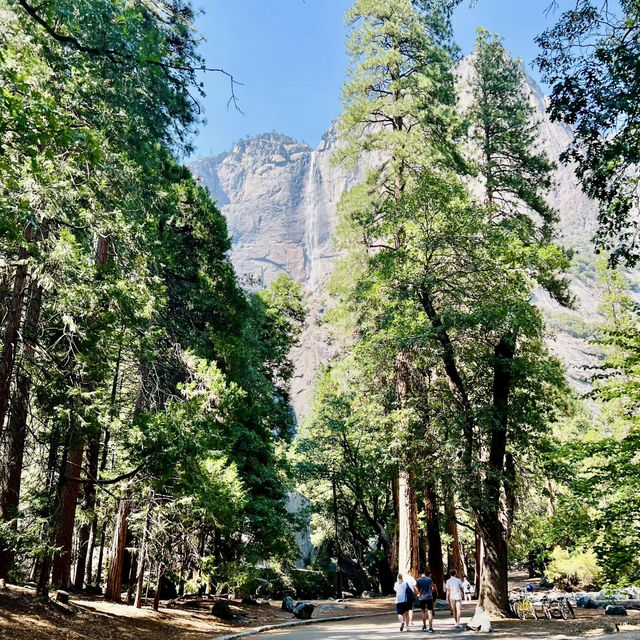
<point>426,604</point>
<point>402,607</point>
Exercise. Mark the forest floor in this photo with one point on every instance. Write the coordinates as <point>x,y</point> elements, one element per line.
<point>90,618</point>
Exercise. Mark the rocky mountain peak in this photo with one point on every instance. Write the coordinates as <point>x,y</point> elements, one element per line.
<point>280,198</point>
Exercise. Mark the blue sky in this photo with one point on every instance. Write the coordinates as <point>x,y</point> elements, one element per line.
<point>289,55</point>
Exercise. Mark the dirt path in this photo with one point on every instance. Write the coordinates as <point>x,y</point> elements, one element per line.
<point>21,618</point>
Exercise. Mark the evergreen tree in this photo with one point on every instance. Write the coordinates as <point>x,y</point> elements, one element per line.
<point>590,60</point>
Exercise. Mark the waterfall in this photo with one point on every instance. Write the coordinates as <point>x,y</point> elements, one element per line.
<point>310,209</point>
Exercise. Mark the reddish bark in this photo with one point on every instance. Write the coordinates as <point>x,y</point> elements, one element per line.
<point>408,539</point>
<point>14,318</point>
<point>434,552</point>
<point>113,589</point>
<point>70,488</point>
<point>89,504</point>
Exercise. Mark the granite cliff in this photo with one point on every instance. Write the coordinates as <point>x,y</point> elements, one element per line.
<point>280,198</point>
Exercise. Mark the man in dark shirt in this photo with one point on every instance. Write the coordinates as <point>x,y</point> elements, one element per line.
<point>426,596</point>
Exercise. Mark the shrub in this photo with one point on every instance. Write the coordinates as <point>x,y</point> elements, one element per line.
<point>579,567</point>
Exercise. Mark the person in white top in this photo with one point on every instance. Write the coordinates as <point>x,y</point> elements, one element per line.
<point>402,607</point>
<point>411,581</point>
<point>466,585</point>
<point>455,592</point>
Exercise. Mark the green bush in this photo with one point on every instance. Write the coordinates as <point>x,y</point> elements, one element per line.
<point>311,584</point>
<point>577,568</point>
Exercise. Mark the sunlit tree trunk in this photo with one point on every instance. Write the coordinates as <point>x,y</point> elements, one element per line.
<point>70,488</point>
<point>408,539</point>
<point>113,591</point>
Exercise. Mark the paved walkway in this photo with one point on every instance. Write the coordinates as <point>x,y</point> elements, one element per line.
<point>377,628</point>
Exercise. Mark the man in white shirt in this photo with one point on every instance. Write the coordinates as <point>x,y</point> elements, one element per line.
<point>455,592</point>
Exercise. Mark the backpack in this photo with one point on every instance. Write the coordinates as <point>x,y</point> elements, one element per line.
<point>410,595</point>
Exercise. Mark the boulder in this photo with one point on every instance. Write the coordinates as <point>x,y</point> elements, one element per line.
<point>288,604</point>
<point>615,610</point>
<point>222,610</point>
<point>588,603</point>
<point>480,621</point>
<point>303,610</point>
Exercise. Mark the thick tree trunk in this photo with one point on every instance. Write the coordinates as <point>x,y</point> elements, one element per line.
<point>455,560</point>
<point>479,561</point>
<point>113,591</point>
<point>408,540</point>
<point>494,588</point>
<point>61,575</point>
<point>509,494</point>
<point>436,564</point>
<point>393,560</point>
<point>14,318</point>
<point>10,499</point>
<point>17,435</point>
<point>15,454</point>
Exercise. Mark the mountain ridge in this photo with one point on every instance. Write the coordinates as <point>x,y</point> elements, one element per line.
<point>280,198</point>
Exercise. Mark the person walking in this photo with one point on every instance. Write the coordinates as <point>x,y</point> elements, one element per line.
<point>466,585</point>
<point>402,608</point>
<point>412,592</point>
<point>455,593</point>
<point>427,593</point>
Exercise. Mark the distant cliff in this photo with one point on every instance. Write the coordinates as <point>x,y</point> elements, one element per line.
<point>280,198</point>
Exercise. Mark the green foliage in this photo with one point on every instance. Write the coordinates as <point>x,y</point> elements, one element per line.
<point>144,351</point>
<point>516,175</point>
<point>577,568</point>
<point>590,59</point>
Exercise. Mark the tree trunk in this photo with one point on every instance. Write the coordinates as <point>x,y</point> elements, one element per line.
<point>10,498</point>
<point>337,539</point>
<point>156,598</point>
<point>452,528</point>
<point>101,554</point>
<point>113,591</point>
<point>434,540</point>
<point>551,506</point>
<point>408,539</point>
<point>14,317</point>
<point>142,557</point>
<point>494,589</point>
<point>479,561</point>
<point>94,517</point>
<point>509,494</point>
<point>393,560</point>
<point>89,505</point>
<point>61,575</point>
